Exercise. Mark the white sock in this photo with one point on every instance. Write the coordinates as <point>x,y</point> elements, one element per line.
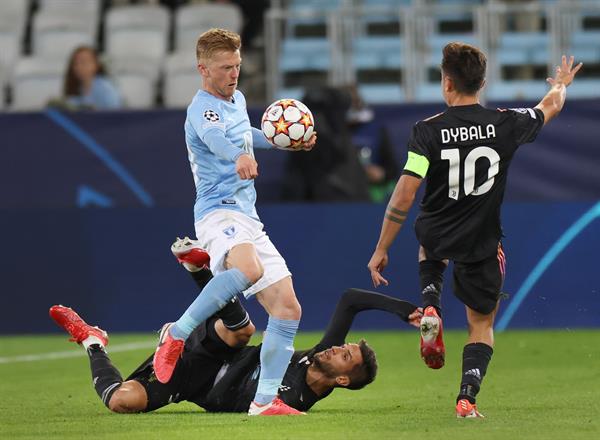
<point>91,340</point>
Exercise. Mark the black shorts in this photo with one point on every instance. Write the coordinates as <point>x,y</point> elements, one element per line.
<point>194,374</point>
<point>478,285</point>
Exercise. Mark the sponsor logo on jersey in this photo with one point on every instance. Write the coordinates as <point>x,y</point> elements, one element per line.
<point>211,116</point>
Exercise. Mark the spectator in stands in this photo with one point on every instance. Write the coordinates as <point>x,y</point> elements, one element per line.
<point>86,86</point>
<point>332,172</point>
<point>376,151</point>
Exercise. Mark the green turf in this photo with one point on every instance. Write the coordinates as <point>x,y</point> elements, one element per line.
<point>540,385</point>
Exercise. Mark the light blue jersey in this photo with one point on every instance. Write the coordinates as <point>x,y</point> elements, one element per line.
<point>217,132</point>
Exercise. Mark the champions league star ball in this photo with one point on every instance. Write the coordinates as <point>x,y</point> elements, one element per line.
<point>287,123</point>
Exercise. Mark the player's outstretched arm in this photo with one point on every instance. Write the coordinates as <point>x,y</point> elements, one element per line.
<point>354,301</point>
<point>395,214</point>
<point>553,102</point>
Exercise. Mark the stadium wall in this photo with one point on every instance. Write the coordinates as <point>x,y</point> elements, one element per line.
<point>59,246</point>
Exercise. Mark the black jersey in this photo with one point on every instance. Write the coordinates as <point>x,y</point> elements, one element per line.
<point>237,381</point>
<point>465,153</point>
<point>234,391</point>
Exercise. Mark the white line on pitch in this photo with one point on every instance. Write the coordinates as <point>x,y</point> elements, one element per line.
<point>71,353</point>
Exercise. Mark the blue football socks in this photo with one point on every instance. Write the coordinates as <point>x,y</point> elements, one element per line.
<point>217,293</point>
<point>275,354</point>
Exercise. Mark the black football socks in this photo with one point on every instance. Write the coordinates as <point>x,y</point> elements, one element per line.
<point>105,376</point>
<point>202,277</point>
<point>476,358</point>
<point>431,273</point>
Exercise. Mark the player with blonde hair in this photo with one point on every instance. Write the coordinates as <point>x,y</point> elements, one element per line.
<point>220,144</point>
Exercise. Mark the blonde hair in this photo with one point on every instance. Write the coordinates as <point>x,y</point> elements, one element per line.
<point>216,40</point>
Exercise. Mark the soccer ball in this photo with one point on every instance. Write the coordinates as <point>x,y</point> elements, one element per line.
<point>287,123</point>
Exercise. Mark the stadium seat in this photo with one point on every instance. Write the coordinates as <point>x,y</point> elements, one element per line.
<point>377,52</point>
<point>429,92</point>
<point>519,48</point>
<point>369,3</point>
<point>290,92</point>
<point>137,80</point>
<point>36,81</point>
<point>297,6</point>
<point>56,35</point>
<point>584,88</point>
<point>138,90</point>
<point>140,30</point>
<point>9,52</point>
<point>192,20</point>
<point>181,80</point>
<point>381,93</point>
<point>585,46</point>
<point>298,54</point>
<point>86,7</point>
<point>517,90</point>
<point>309,14</point>
<point>13,15</point>
<point>436,42</point>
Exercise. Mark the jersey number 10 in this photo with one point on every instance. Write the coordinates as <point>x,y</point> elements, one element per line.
<point>453,155</point>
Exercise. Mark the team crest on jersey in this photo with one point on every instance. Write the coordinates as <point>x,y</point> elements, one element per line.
<point>229,231</point>
<point>211,116</point>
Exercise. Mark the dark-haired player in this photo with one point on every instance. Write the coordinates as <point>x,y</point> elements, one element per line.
<point>219,372</point>
<point>464,153</point>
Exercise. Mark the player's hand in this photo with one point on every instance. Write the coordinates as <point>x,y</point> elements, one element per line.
<point>308,145</point>
<point>378,262</point>
<point>565,73</point>
<point>246,167</point>
<point>414,318</point>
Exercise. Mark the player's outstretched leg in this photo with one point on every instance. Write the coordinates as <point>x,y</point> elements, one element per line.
<point>217,293</point>
<point>433,350</point>
<point>79,330</point>
<point>106,377</point>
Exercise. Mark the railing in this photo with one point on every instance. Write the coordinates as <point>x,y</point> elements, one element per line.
<point>421,38</point>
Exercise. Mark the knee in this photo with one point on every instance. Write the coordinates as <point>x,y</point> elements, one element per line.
<point>127,400</point>
<point>289,308</point>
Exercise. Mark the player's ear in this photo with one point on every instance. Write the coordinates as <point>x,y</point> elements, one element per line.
<point>448,84</point>
<point>342,381</point>
<point>202,68</point>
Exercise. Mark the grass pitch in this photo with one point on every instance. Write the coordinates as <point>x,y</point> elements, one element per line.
<point>540,385</point>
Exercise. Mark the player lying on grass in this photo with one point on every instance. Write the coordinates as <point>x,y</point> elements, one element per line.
<point>219,371</point>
